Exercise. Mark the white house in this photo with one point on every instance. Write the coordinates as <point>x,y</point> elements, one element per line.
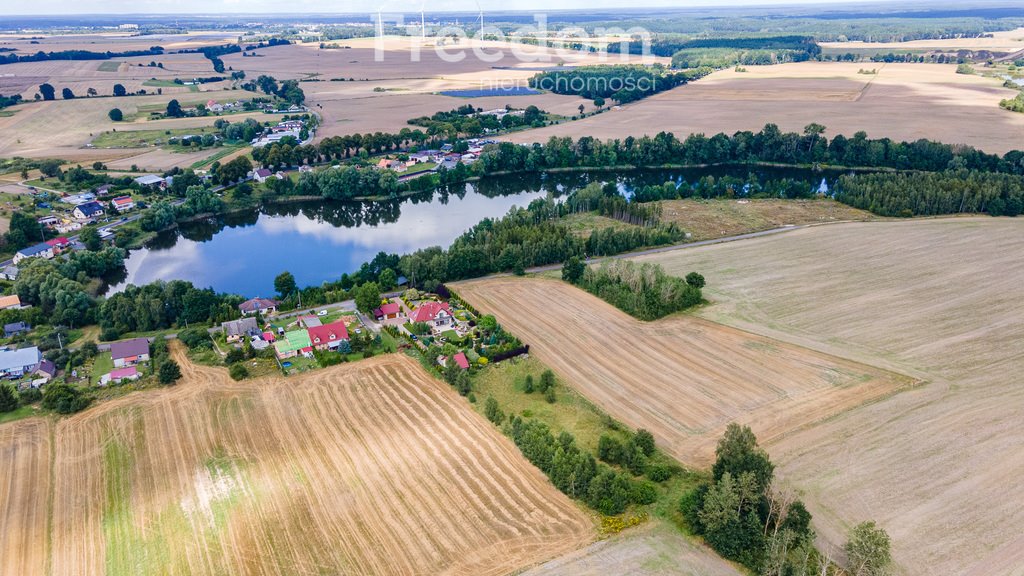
<point>17,363</point>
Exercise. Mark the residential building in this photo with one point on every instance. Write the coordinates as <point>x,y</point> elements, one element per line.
<point>236,330</point>
<point>258,305</point>
<point>15,328</point>
<point>261,175</point>
<point>59,244</point>
<point>388,164</point>
<point>9,273</point>
<point>436,314</point>
<point>12,301</point>
<point>41,250</point>
<point>17,363</point>
<point>129,352</point>
<point>46,369</point>
<point>123,203</point>
<point>293,343</point>
<point>461,361</point>
<point>88,211</point>
<point>328,336</point>
<point>389,311</point>
<point>310,321</point>
<point>105,189</point>
<point>120,375</point>
<point>48,221</point>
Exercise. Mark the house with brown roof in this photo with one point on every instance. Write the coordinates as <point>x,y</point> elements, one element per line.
<point>328,336</point>
<point>258,305</point>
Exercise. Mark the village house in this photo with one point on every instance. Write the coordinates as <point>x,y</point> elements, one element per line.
<point>388,164</point>
<point>261,175</point>
<point>15,328</point>
<point>88,211</point>
<point>328,336</point>
<point>129,352</point>
<point>120,375</point>
<point>236,330</point>
<point>389,311</point>
<point>46,370</point>
<point>59,244</point>
<point>258,305</point>
<point>12,301</point>
<point>310,321</point>
<point>305,168</point>
<point>48,221</point>
<point>123,203</point>
<point>41,250</point>
<point>436,314</point>
<point>17,363</point>
<point>9,272</point>
<point>104,190</point>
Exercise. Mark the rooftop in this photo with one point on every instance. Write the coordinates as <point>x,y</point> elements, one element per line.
<point>18,359</point>
<point>127,348</point>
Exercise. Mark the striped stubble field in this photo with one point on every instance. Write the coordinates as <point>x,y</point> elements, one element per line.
<point>367,468</point>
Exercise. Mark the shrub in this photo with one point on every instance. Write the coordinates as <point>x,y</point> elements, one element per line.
<point>644,493</point>
<point>8,399</point>
<point>64,398</point>
<point>645,440</point>
<point>169,372</point>
<point>234,355</point>
<point>30,395</point>
<point>609,449</point>
<point>659,473</point>
<point>493,412</point>
<point>238,371</point>
<point>195,338</point>
<point>528,384</point>
<point>549,396</point>
<point>115,114</point>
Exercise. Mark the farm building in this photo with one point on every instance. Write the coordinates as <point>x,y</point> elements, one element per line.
<point>328,336</point>
<point>151,180</point>
<point>88,211</point>
<point>9,272</point>
<point>17,363</point>
<point>258,305</point>
<point>129,352</point>
<point>235,330</point>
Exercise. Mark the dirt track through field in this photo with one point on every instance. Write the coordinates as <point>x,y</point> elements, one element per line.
<point>939,466</point>
<point>369,468</point>
<point>682,378</point>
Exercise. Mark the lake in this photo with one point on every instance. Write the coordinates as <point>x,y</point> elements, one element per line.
<point>317,242</point>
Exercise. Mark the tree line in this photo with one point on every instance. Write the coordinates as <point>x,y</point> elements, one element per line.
<point>933,193</point>
<point>644,291</point>
<point>78,55</point>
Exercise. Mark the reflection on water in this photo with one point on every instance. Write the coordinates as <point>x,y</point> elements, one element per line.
<point>317,242</point>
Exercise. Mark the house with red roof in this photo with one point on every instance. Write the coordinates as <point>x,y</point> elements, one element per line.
<point>461,361</point>
<point>59,244</point>
<point>389,311</point>
<point>328,336</point>
<point>123,203</point>
<point>258,305</point>
<point>436,314</point>
<point>120,375</point>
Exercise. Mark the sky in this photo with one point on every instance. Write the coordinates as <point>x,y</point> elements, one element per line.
<point>53,7</point>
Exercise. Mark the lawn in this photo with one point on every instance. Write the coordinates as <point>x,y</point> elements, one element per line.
<point>18,413</point>
<point>101,364</point>
<point>169,84</point>
<point>417,168</point>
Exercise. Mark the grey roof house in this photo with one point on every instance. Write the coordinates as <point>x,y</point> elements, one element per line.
<point>15,328</point>
<point>129,352</point>
<point>236,329</point>
<point>17,363</point>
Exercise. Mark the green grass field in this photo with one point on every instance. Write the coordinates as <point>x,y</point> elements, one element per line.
<point>101,364</point>
<point>153,82</point>
<point>146,138</point>
<point>109,66</point>
<point>18,413</point>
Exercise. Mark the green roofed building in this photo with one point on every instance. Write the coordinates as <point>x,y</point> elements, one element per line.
<point>292,344</point>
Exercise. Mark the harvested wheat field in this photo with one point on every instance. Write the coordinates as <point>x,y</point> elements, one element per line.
<point>902,102</point>
<point>718,218</point>
<point>939,466</point>
<point>368,468</point>
<point>682,378</point>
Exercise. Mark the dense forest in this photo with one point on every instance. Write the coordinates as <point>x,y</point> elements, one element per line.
<point>927,194</point>
<point>621,83</point>
<point>641,290</point>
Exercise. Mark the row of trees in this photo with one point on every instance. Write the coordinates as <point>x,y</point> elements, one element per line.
<point>467,120</point>
<point>770,145</point>
<point>41,56</point>
<point>641,290</point>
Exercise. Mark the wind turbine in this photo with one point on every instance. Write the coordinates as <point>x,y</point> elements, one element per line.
<point>380,24</point>
<point>481,34</point>
<point>423,22</point>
